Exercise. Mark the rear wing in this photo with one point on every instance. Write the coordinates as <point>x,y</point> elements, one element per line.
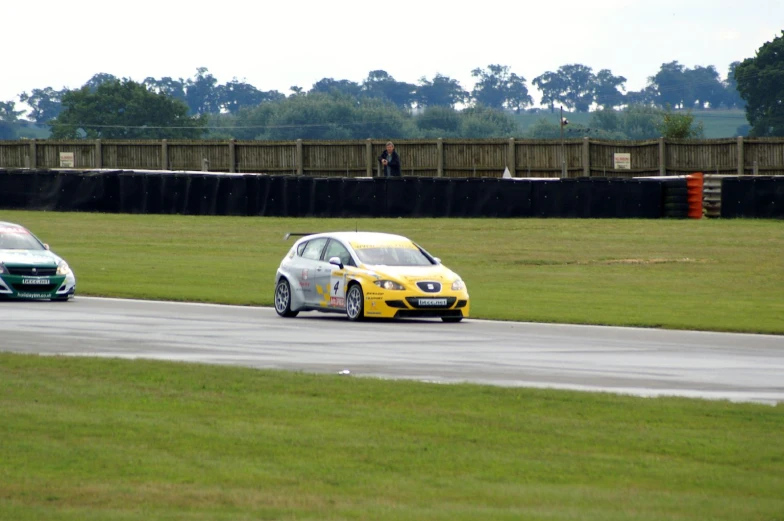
<point>296,234</point>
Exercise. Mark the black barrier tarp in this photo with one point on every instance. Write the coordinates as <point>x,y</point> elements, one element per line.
<point>300,196</point>
<point>759,197</point>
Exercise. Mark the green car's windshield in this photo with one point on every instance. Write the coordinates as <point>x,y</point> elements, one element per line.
<point>393,256</point>
<point>18,240</point>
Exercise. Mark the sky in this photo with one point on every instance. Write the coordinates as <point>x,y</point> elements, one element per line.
<point>276,45</point>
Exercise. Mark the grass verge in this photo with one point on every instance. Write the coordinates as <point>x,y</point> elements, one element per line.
<point>89,439</point>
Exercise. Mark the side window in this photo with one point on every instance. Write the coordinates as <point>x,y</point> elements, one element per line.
<point>313,249</point>
<point>301,248</point>
<point>336,249</point>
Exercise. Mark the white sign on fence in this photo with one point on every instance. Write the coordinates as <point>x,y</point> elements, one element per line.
<point>622,161</point>
<point>66,159</point>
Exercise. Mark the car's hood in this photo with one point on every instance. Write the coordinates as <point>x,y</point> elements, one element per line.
<point>29,258</point>
<point>437,272</point>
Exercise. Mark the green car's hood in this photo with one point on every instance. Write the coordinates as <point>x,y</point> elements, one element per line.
<point>44,258</point>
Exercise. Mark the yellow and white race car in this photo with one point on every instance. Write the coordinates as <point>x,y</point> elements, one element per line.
<point>367,274</point>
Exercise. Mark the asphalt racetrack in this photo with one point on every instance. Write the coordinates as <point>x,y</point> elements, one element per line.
<point>643,362</point>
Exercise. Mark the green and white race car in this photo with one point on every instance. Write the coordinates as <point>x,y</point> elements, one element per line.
<point>29,270</point>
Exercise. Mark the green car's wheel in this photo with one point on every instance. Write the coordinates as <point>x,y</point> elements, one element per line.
<point>283,299</point>
<point>355,303</point>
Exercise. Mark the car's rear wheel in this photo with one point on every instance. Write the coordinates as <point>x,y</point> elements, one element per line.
<point>451,319</point>
<point>283,299</point>
<point>355,303</point>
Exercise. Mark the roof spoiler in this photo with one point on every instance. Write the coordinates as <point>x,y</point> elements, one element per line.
<point>296,234</point>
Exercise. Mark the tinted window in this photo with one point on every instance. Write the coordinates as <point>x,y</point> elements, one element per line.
<point>313,249</point>
<point>393,256</point>
<point>336,249</point>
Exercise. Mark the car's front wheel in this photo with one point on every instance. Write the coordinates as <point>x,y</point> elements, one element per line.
<point>283,299</point>
<point>355,303</point>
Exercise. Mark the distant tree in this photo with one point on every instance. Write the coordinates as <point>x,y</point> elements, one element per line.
<point>645,96</point>
<point>498,88</point>
<point>296,90</point>
<point>438,121</point>
<point>330,86</point>
<point>671,86</point>
<point>552,86</point>
<point>45,104</point>
<point>235,94</point>
<point>8,117</point>
<point>201,93</point>
<point>327,116</point>
<point>98,79</point>
<point>761,85</point>
<point>379,84</point>
<point>732,97</point>
<point>8,111</point>
<point>571,85</point>
<point>608,89</point>
<point>706,86</point>
<point>124,109</point>
<point>634,122</point>
<point>679,125</point>
<point>168,86</point>
<point>443,91</point>
<point>486,122</point>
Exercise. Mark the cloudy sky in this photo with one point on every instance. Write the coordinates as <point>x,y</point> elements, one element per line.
<point>276,45</point>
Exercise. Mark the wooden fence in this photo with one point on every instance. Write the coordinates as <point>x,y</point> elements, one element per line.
<point>423,158</point>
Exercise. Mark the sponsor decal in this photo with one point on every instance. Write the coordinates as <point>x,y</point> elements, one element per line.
<point>304,284</point>
<point>33,295</point>
<point>304,274</point>
<point>337,302</point>
<point>432,302</point>
<point>35,281</point>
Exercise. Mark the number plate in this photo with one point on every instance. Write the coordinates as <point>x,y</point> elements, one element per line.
<point>35,281</point>
<point>432,302</point>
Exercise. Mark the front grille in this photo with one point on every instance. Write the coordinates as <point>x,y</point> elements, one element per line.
<point>27,271</point>
<point>430,302</point>
<point>429,286</point>
<point>36,288</point>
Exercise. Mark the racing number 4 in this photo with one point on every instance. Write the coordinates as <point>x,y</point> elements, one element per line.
<point>338,285</point>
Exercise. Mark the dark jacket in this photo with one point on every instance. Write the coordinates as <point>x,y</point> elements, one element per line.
<point>393,164</point>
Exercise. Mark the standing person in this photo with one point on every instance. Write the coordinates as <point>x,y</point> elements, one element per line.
<point>390,160</point>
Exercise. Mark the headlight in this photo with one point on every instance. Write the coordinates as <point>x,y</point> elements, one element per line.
<point>458,285</point>
<point>63,269</point>
<point>388,284</point>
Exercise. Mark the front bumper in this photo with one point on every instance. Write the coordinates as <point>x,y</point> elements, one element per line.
<point>32,287</point>
<point>390,305</point>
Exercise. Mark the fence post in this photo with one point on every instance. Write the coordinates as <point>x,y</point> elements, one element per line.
<point>511,158</point>
<point>369,158</point>
<point>98,154</point>
<point>300,166</point>
<point>440,157</point>
<point>586,157</point>
<point>662,157</point>
<point>232,156</point>
<point>741,159</point>
<point>33,154</point>
<point>164,155</point>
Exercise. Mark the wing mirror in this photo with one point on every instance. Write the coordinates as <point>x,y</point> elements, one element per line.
<point>336,262</point>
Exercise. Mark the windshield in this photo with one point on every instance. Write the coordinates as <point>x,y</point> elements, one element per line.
<point>16,239</point>
<point>393,256</point>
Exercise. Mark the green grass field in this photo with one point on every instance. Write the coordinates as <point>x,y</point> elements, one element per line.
<point>102,439</point>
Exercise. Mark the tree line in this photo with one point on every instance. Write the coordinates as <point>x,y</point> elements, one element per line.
<point>381,107</point>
